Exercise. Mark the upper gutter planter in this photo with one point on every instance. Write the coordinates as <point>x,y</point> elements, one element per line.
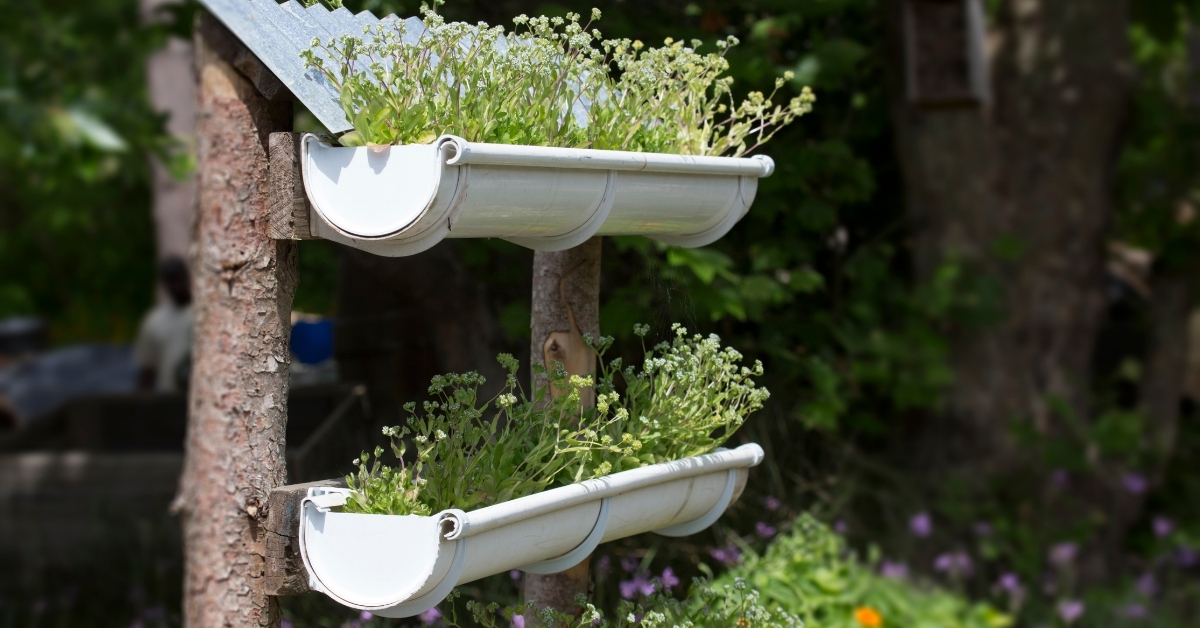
<point>401,566</point>
<point>401,200</point>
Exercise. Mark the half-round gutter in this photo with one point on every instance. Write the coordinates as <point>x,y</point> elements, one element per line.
<point>400,566</point>
<point>401,200</point>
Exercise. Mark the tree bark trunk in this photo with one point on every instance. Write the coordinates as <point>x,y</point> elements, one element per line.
<point>566,305</point>
<point>1166,363</point>
<point>243,286</point>
<point>1022,191</point>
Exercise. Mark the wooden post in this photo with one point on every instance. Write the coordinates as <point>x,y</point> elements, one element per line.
<point>566,305</point>
<point>243,286</point>
<point>286,574</point>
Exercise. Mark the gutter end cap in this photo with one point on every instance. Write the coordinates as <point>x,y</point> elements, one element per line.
<point>768,164</point>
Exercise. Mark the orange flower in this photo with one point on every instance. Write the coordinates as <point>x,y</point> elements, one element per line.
<point>868,617</point>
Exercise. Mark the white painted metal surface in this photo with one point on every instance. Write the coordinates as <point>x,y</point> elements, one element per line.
<point>401,200</point>
<point>401,566</point>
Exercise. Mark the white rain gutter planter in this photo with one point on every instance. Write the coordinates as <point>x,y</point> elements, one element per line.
<point>401,566</point>
<point>401,200</point>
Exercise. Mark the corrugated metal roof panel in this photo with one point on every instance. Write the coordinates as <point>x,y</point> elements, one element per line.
<point>278,33</point>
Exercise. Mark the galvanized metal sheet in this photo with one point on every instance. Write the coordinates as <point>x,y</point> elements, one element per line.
<point>278,33</point>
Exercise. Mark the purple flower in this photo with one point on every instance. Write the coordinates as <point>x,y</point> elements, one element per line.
<point>1135,483</point>
<point>1011,584</point>
<point>1070,610</point>
<point>604,565</point>
<point>893,570</point>
<point>1063,554</point>
<point>629,564</point>
<point>518,621</point>
<point>1135,611</point>
<point>840,527</point>
<point>1163,526</point>
<point>982,528</point>
<point>1147,585</point>
<point>764,530</point>
<point>772,503</point>
<point>1060,478</point>
<point>285,623</point>
<point>729,555</point>
<point>921,525</point>
<point>515,574</point>
<point>956,564</point>
<point>1186,556</point>
<point>639,584</point>
<point>669,579</point>
<point>39,606</point>
<point>430,616</point>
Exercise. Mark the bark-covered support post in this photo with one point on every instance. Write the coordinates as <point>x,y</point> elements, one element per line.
<point>243,286</point>
<point>566,305</point>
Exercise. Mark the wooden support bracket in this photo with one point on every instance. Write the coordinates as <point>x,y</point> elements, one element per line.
<point>286,574</point>
<point>288,203</point>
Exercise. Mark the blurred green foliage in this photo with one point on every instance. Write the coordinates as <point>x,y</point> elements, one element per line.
<point>1160,164</point>
<point>76,132</point>
<point>811,572</point>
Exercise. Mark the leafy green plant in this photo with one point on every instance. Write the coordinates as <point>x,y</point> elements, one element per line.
<point>810,572</point>
<point>465,460</point>
<point>688,398</point>
<point>552,82</point>
<point>705,606</point>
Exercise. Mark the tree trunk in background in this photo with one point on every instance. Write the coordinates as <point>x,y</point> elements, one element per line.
<point>243,286</point>
<point>1165,370</point>
<point>566,305</point>
<point>1023,190</point>
<point>171,80</point>
<point>402,320</point>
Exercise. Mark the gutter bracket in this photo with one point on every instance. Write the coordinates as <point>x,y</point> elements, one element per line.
<point>325,498</point>
<point>581,551</point>
<point>708,518</point>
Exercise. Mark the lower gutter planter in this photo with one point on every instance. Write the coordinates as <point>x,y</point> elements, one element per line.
<point>401,200</point>
<point>401,566</point>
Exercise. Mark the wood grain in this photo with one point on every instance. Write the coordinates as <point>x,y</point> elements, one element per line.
<point>289,207</point>
<point>286,574</point>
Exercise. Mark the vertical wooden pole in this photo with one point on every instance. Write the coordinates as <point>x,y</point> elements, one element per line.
<point>243,286</point>
<point>566,304</point>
